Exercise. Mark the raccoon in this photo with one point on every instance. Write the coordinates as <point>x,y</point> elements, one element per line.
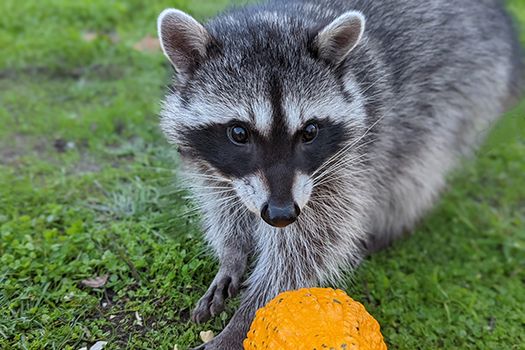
<point>315,132</point>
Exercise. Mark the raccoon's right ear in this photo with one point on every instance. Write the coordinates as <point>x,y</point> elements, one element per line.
<point>335,41</point>
<point>183,39</point>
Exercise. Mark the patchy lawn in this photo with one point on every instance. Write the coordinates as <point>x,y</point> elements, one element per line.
<point>86,190</point>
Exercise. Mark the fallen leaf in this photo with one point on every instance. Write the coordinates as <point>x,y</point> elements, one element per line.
<point>99,345</point>
<point>148,44</point>
<point>207,336</point>
<point>97,282</point>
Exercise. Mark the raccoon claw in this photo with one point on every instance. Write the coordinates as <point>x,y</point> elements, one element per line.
<point>213,302</point>
<point>201,313</point>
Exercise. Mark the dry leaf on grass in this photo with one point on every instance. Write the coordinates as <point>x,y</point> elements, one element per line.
<point>138,319</point>
<point>89,36</point>
<point>207,336</point>
<point>97,282</point>
<point>148,44</point>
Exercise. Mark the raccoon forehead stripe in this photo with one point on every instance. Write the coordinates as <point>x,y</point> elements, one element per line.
<point>279,118</point>
<point>262,115</point>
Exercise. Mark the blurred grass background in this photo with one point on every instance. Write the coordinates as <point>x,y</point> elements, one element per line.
<point>86,190</point>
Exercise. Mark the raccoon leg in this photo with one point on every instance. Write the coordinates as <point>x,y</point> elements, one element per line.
<point>284,263</point>
<point>226,284</point>
<point>231,338</point>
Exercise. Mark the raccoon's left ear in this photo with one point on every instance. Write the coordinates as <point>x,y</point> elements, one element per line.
<point>183,39</point>
<point>335,41</point>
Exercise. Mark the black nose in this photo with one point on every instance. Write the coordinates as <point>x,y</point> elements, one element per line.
<point>279,215</point>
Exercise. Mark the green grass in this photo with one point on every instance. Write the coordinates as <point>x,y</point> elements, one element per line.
<point>86,189</point>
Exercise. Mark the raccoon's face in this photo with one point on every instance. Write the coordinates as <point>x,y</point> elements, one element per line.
<point>263,107</point>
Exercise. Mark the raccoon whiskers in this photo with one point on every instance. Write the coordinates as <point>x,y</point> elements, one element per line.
<point>334,164</point>
<point>341,163</point>
<point>338,175</point>
<point>211,195</point>
<point>190,176</point>
<point>196,182</point>
<point>244,212</point>
<point>206,184</point>
<point>342,177</point>
<point>348,147</point>
<point>346,163</point>
<point>173,192</point>
<point>211,189</point>
<point>220,200</point>
<point>191,192</point>
<point>226,203</point>
<point>320,207</point>
<point>159,169</point>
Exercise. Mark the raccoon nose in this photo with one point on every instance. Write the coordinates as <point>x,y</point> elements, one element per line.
<point>279,215</point>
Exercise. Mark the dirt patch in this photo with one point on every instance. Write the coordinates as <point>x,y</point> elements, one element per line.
<point>98,71</point>
<point>16,147</point>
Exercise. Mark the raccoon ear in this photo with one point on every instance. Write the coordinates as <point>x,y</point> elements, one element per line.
<point>335,41</point>
<point>183,39</point>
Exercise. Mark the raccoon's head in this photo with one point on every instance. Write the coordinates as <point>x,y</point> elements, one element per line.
<point>263,101</point>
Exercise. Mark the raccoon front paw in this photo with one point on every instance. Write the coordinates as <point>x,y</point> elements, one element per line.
<point>213,302</point>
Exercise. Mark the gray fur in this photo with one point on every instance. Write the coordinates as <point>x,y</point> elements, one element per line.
<point>419,91</point>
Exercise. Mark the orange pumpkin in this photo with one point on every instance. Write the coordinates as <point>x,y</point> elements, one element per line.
<point>317,318</point>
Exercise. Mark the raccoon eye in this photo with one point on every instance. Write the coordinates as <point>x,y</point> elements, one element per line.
<point>310,132</point>
<point>238,135</point>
